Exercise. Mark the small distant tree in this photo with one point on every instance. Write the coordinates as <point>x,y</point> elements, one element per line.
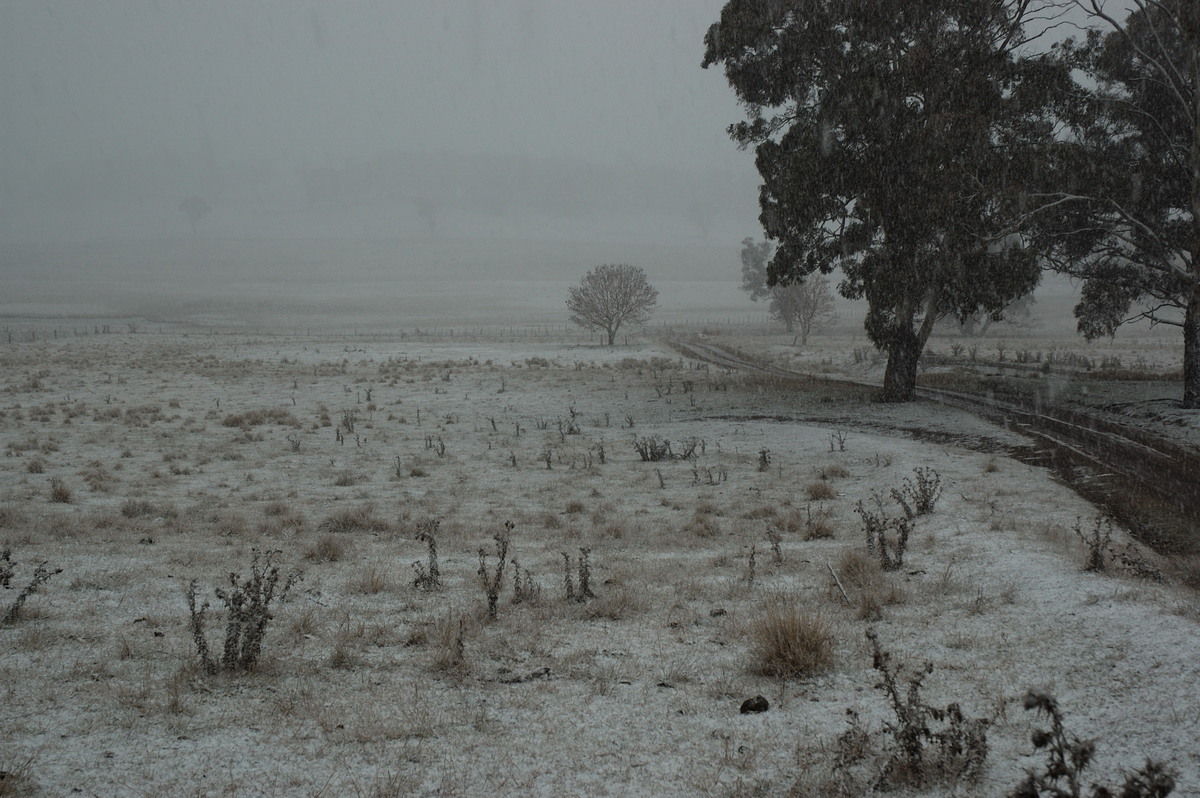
<point>801,306</point>
<point>1018,313</point>
<point>196,209</point>
<point>611,295</point>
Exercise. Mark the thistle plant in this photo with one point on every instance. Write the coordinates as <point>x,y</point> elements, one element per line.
<point>41,575</point>
<point>248,604</point>
<point>491,579</point>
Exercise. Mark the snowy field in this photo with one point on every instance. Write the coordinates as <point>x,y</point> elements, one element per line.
<point>136,463</point>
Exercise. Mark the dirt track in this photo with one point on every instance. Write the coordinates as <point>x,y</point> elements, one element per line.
<point>1145,480</point>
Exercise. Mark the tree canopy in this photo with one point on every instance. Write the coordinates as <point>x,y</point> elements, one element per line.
<point>1126,213</point>
<point>894,146</point>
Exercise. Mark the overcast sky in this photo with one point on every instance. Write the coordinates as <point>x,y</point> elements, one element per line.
<point>100,94</point>
<point>367,118</point>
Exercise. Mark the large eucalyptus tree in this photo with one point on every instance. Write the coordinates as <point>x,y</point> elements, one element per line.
<point>895,141</point>
<point>1127,208</point>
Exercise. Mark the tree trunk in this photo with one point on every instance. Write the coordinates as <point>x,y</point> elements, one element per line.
<point>900,377</point>
<point>612,336</point>
<point>904,346</point>
<point>1191,319</point>
<point>1191,350</point>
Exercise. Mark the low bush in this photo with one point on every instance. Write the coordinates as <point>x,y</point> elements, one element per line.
<point>248,606</point>
<point>41,575</point>
<point>260,416</point>
<point>1067,757</point>
<point>788,642</point>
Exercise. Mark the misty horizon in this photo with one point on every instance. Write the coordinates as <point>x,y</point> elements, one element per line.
<point>371,120</point>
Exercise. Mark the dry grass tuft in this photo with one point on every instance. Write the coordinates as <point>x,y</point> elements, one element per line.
<point>868,587</point>
<point>60,492</point>
<point>327,548</point>
<point>834,472</point>
<point>369,581</point>
<point>346,479</point>
<point>449,638</point>
<point>1187,570</point>
<point>136,508</point>
<point>267,415</point>
<point>820,491</point>
<point>355,519</point>
<point>788,642</point>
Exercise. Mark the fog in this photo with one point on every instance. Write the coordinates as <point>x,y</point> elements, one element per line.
<point>414,136</point>
<point>231,151</point>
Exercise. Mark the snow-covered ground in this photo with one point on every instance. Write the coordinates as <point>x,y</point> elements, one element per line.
<point>364,688</point>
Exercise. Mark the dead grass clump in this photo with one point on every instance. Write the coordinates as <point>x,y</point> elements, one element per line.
<point>355,519</point>
<point>793,520</point>
<point>369,581</point>
<point>97,476</point>
<point>834,471</point>
<point>277,508</point>
<point>703,524</point>
<point>820,491</point>
<point>1187,570</point>
<point>11,517</point>
<point>818,525</point>
<point>764,512</point>
<point>327,548</point>
<point>266,415</point>
<point>136,508</point>
<point>346,479</point>
<point>60,492</point>
<point>867,587</point>
<point>303,626</point>
<point>575,507</point>
<point>616,530</point>
<point>16,777</point>
<point>788,642</point>
<point>449,639</point>
<point>616,603</point>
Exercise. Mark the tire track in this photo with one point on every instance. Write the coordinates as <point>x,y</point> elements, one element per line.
<point>1148,482</point>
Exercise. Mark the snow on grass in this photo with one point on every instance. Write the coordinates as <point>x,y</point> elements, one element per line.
<point>360,689</point>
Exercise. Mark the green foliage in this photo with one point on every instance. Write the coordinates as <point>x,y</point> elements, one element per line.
<point>1123,219</point>
<point>893,146</point>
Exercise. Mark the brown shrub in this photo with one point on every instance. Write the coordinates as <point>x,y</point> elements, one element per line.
<point>59,491</point>
<point>789,642</point>
<point>820,491</point>
<point>355,519</point>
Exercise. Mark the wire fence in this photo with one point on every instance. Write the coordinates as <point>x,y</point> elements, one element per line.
<point>32,331</point>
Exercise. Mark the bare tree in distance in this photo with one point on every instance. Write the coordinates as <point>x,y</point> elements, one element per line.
<point>801,306</point>
<point>1018,313</point>
<point>196,209</point>
<point>611,295</point>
